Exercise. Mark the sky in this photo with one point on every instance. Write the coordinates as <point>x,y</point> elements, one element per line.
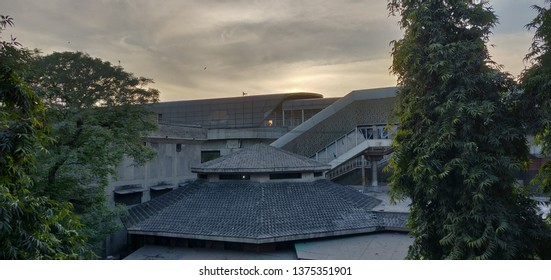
<point>220,48</point>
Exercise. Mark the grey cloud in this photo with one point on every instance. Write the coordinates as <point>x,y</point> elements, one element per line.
<point>258,45</point>
<point>513,15</point>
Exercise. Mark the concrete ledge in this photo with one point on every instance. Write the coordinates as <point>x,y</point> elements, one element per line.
<point>246,133</point>
<point>259,240</point>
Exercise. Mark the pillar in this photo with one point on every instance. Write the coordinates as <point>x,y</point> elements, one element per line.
<point>374,182</point>
<point>375,132</point>
<point>364,183</point>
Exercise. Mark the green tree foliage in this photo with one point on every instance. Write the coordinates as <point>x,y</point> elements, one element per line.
<point>536,82</point>
<point>99,116</point>
<point>458,145</point>
<point>31,226</point>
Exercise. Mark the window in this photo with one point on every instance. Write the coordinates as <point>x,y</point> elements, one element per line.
<point>128,199</point>
<point>178,148</point>
<point>234,177</point>
<point>128,195</point>
<point>280,176</point>
<point>318,174</point>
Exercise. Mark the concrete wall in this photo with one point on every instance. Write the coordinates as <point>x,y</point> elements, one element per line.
<point>170,167</point>
<point>247,133</point>
<point>227,146</point>
<point>265,177</point>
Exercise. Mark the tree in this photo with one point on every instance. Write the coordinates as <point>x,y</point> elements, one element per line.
<point>98,115</point>
<point>458,144</point>
<point>31,226</point>
<point>536,83</point>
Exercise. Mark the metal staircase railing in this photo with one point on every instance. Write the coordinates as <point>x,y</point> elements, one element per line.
<point>352,139</point>
<point>352,165</point>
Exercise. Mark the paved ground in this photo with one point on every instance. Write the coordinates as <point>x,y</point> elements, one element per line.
<point>151,252</point>
<point>375,246</point>
<point>402,206</point>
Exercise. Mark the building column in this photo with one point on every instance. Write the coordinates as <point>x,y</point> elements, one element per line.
<point>364,183</point>
<point>374,182</point>
<point>146,195</point>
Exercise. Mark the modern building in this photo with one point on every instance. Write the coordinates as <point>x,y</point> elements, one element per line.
<point>351,135</point>
<point>331,130</point>
<point>192,132</point>
<point>257,199</point>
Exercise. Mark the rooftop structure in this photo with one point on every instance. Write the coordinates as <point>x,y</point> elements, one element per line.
<point>258,159</point>
<point>254,212</point>
<point>266,203</point>
<point>260,185</point>
<point>233,112</point>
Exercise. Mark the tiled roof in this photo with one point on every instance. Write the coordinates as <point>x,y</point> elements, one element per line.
<point>260,158</point>
<point>255,212</point>
<point>392,220</point>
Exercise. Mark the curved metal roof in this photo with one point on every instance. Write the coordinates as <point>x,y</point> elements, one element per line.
<point>231,112</point>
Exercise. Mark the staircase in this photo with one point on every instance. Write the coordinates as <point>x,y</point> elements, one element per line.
<point>355,142</point>
<point>353,164</point>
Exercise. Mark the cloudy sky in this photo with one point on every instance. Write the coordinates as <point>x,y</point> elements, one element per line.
<point>221,48</point>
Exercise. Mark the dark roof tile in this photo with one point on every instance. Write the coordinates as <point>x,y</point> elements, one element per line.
<point>259,212</point>
<point>260,158</point>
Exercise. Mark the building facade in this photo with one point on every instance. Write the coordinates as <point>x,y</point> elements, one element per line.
<point>192,132</point>
<point>257,199</point>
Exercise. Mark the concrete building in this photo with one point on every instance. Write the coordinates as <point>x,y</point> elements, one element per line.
<point>350,135</point>
<point>196,131</point>
<point>258,199</point>
<point>192,132</point>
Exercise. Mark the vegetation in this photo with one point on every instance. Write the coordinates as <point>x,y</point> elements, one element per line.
<point>96,116</point>
<point>459,144</point>
<point>31,226</point>
<point>67,120</point>
<point>96,120</point>
<point>536,83</point>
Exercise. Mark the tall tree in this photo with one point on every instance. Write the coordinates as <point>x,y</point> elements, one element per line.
<point>99,115</point>
<point>536,83</point>
<point>458,145</point>
<point>31,226</point>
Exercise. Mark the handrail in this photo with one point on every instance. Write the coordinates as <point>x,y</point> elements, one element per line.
<point>352,165</point>
<point>352,139</point>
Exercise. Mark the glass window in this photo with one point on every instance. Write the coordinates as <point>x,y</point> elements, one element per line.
<point>280,176</point>
<point>234,177</point>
